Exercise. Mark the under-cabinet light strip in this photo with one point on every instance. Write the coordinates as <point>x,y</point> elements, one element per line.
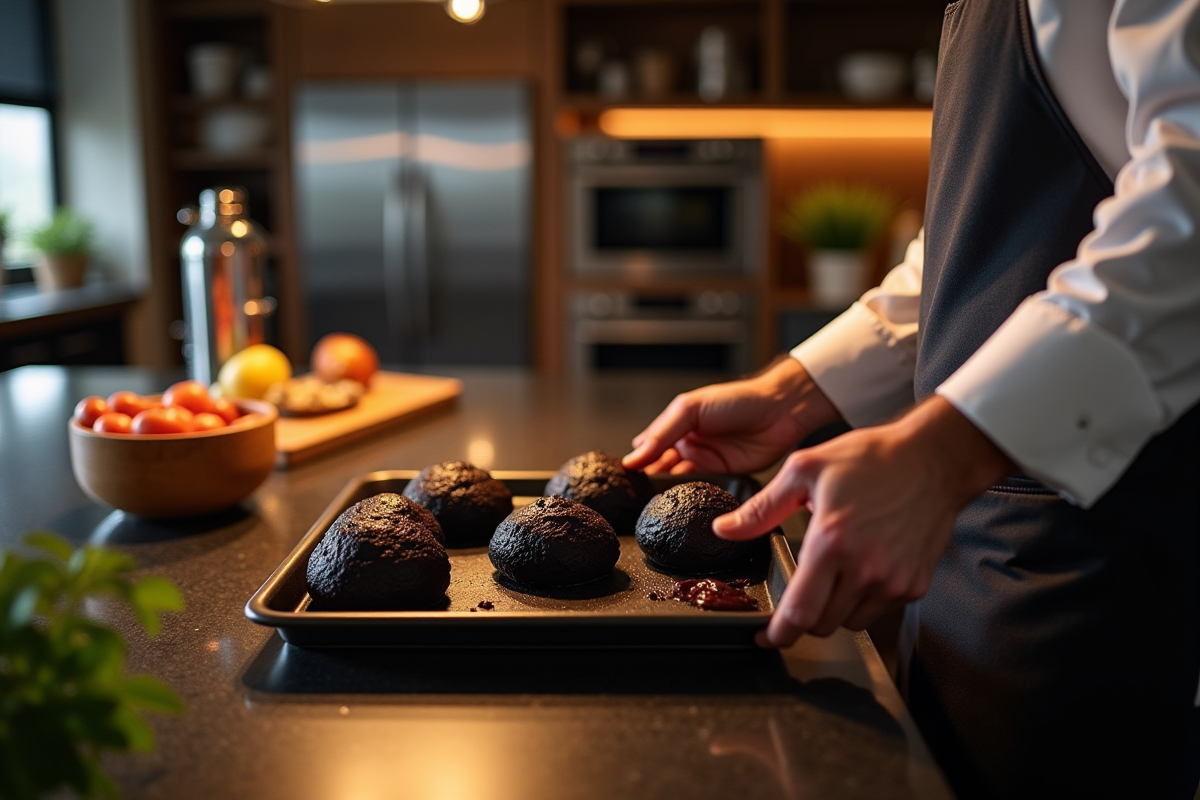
<point>768,123</point>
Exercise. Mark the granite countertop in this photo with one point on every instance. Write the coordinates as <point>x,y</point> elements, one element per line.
<point>268,720</point>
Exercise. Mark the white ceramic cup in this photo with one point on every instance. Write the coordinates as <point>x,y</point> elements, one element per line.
<point>213,69</point>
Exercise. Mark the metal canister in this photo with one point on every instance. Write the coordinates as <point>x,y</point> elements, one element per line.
<point>224,262</point>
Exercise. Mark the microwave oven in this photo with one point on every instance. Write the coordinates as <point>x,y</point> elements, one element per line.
<point>647,209</point>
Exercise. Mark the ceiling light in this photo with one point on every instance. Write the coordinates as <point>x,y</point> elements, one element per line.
<point>465,11</point>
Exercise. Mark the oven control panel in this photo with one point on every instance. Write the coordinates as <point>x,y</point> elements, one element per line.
<point>707,304</point>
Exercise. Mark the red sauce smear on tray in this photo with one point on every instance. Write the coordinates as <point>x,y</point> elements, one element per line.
<point>714,595</point>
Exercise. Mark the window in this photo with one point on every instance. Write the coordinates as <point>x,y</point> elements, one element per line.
<point>27,170</point>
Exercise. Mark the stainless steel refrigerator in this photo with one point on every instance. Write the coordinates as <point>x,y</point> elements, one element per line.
<point>413,215</point>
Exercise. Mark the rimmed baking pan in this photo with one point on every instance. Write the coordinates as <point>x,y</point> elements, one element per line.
<point>615,612</point>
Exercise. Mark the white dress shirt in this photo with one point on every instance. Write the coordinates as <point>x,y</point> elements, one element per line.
<point>1081,375</point>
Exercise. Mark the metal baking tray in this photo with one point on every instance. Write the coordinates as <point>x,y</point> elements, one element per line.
<point>614,612</point>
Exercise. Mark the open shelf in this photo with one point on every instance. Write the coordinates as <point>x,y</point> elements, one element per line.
<point>202,160</point>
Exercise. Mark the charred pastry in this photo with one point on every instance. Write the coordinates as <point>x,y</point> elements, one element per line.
<point>382,553</point>
<point>599,481</point>
<point>466,500</point>
<point>554,541</point>
<point>675,530</point>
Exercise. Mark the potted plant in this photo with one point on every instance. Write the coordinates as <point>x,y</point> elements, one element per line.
<point>65,245</point>
<point>837,223</point>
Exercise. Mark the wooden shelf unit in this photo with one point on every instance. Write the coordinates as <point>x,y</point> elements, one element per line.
<point>179,166</point>
<point>531,40</point>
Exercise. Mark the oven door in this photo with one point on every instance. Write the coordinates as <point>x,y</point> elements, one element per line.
<point>651,221</point>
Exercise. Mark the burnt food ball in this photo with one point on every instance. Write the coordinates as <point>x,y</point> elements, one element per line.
<point>466,500</point>
<point>382,553</point>
<point>554,541</point>
<point>599,481</point>
<point>675,530</point>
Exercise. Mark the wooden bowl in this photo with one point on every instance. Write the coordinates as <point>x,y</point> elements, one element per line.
<point>177,474</point>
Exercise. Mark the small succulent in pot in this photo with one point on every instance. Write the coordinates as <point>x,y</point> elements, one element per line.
<point>838,223</point>
<point>65,244</point>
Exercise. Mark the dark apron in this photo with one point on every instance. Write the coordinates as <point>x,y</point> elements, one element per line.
<point>1057,652</point>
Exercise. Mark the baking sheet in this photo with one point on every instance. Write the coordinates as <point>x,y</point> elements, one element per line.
<point>614,612</point>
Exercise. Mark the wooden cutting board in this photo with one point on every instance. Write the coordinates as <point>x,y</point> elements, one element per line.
<point>393,397</point>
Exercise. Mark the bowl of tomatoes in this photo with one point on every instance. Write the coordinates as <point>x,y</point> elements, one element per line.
<point>179,454</point>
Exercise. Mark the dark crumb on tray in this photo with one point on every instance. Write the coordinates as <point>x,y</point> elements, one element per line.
<point>655,596</point>
<point>486,605</point>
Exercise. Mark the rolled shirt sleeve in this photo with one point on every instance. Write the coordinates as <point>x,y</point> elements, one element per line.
<point>864,360</point>
<point>1083,374</point>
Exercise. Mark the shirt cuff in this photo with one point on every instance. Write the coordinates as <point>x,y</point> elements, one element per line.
<point>864,371</point>
<point>1063,398</point>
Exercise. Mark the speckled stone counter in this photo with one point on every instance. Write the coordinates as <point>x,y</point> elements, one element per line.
<point>267,720</point>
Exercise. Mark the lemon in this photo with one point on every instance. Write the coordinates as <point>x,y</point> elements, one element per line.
<point>250,372</point>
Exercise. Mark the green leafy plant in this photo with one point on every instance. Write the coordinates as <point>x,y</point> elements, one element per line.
<point>836,216</point>
<point>66,234</point>
<point>65,699</point>
<point>4,219</point>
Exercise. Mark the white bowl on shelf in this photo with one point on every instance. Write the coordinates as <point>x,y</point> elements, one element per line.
<point>234,129</point>
<point>872,77</point>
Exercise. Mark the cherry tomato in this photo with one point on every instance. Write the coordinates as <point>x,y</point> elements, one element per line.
<point>162,420</point>
<point>191,395</point>
<point>129,403</point>
<point>113,422</point>
<point>225,409</point>
<point>207,421</point>
<point>90,409</point>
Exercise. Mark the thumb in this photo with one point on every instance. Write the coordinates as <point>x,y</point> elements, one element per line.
<point>787,492</point>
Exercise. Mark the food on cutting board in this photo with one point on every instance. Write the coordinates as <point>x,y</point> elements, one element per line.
<point>554,541</point>
<point>383,553</point>
<point>309,395</point>
<point>675,530</point>
<point>249,373</point>
<point>185,407</point>
<point>598,481</point>
<point>466,500</point>
<point>344,356</point>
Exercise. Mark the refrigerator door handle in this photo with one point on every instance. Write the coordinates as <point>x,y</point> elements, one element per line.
<point>419,266</point>
<point>395,259</point>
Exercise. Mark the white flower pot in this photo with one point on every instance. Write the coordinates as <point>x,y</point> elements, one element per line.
<point>836,278</point>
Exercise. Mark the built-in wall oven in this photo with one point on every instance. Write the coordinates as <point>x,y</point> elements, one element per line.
<point>662,208</point>
<point>664,238</point>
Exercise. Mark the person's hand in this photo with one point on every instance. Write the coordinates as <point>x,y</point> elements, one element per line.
<point>883,504</point>
<point>740,426</point>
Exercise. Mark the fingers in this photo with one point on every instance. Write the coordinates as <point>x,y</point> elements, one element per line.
<point>787,492</point>
<point>869,609</point>
<point>666,462</point>
<point>667,428</point>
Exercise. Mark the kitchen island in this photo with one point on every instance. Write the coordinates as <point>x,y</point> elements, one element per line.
<point>268,720</point>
